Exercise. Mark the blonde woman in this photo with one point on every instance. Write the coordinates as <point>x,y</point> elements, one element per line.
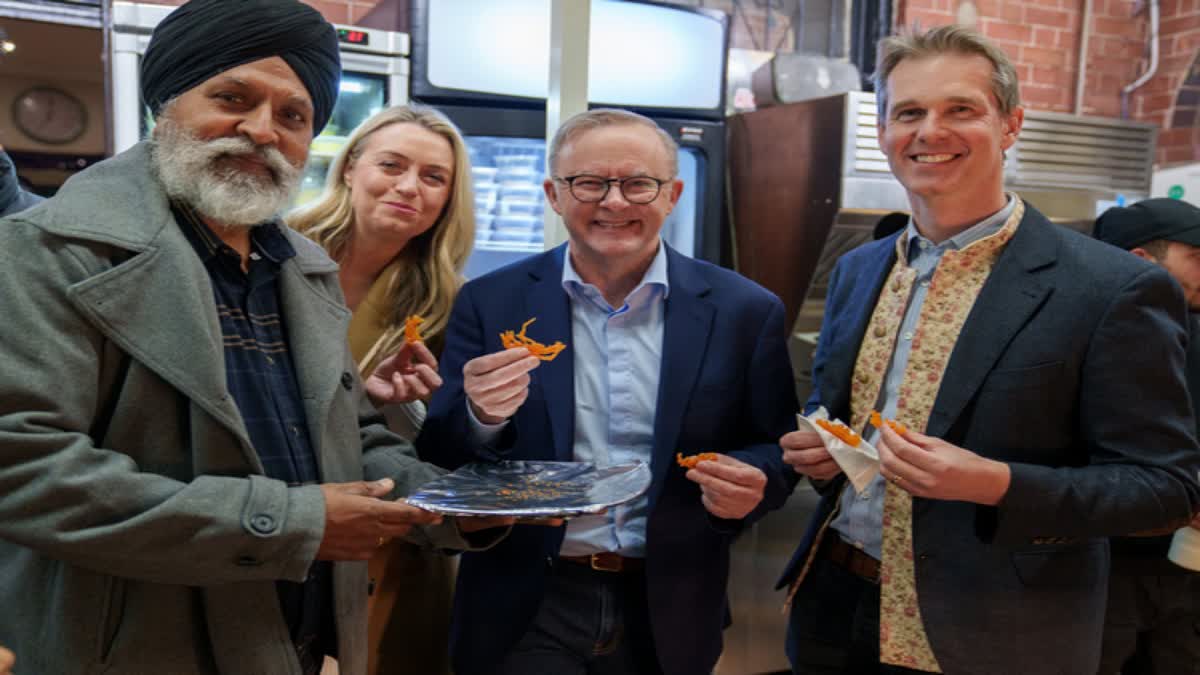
<point>397,215</point>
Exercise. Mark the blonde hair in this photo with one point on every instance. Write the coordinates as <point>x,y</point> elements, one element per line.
<point>430,273</point>
<point>950,39</point>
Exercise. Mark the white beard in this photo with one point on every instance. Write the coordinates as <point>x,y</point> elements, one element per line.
<point>189,171</point>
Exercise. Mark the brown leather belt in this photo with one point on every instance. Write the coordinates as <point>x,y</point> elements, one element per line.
<point>607,562</point>
<point>849,557</point>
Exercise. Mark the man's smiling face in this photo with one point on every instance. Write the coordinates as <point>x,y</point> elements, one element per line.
<point>943,132</point>
<point>614,230</point>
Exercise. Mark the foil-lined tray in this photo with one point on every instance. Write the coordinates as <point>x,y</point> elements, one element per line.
<point>532,489</point>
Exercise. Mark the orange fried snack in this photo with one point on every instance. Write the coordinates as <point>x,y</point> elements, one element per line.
<point>877,420</point>
<point>845,433</point>
<point>691,461</point>
<point>512,339</point>
<point>412,329</point>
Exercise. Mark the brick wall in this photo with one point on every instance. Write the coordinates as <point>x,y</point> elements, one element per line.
<point>1173,94</point>
<point>1042,37</point>
<point>336,11</point>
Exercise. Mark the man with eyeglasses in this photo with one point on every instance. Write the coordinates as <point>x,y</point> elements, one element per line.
<point>664,355</point>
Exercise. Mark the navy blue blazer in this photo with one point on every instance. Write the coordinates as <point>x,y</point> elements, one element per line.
<point>725,386</point>
<point>1070,368</point>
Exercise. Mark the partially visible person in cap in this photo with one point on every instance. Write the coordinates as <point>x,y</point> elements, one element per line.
<point>190,474</point>
<point>1153,613</point>
<point>13,197</point>
<point>1163,231</point>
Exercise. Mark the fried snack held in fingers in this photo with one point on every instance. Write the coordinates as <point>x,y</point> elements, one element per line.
<point>843,432</point>
<point>543,352</point>
<point>691,461</point>
<point>877,420</point>
<point>412,329</point>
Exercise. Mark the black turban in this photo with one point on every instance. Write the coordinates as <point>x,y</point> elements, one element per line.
<point>203,38</point>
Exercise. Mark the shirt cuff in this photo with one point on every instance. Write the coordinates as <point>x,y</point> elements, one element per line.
<point>481,433</point>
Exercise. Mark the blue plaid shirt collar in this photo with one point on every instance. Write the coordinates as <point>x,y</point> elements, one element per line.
<point>266,239</point>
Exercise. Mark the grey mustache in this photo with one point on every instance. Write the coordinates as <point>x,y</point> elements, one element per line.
<point>237,147</point>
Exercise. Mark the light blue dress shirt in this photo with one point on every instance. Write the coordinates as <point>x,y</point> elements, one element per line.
<point>859,520</point>
<point>617,359</point>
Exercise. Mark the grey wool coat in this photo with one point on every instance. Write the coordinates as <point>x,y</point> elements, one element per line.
<point>137,533</point>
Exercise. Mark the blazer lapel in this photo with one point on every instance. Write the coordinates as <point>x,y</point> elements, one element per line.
<point>315,322</point>
<point>158,307</point>
<point>1016,288</point>
<point>688,319</point>
<point>549,303</point>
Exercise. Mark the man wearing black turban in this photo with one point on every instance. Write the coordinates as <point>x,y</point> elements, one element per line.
<point>207,37</point>
<point>188,473</point>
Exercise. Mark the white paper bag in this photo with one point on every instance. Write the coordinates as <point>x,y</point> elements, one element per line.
<point>1185,548</point>
<point>860,464</point>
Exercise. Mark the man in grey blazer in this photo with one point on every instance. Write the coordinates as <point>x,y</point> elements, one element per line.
<point>189,473</point>
<point>1039,374</point>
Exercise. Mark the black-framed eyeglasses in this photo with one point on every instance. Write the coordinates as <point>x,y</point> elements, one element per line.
<point>635,189</point>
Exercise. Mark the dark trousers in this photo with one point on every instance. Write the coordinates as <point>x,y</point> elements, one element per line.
<point>589,623</point>
<point>833,627</point>
<point>1152,624</point>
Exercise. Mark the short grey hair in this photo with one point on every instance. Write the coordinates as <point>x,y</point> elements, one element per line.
<point>608,117</point>
<point>952,39</point>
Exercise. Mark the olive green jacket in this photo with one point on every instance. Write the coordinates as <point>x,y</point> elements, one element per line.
<point>137,533</point>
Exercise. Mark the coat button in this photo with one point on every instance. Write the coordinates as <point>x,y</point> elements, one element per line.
<point>347,381</point>
<point>262,524</point>
<point>880,331</point>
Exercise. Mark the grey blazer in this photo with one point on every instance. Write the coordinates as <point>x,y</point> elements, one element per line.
<point>137,533</point>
